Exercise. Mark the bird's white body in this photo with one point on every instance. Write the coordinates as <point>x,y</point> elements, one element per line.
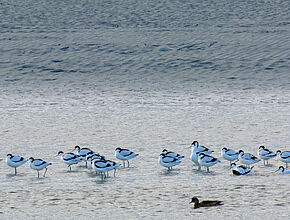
<point>229,154</point>
<point>92,157</point>
<point>207,160</point>
<point>265,154</point>
<point>247,158</point>
<point>38,164</point>
<point>167,161</point>
<point>15,161</point>
<point>124,154</point>
<point>196,150</point>
<point>83,152</point>
<point>284,157</point>
<point>172,154</point>
<point>241,170</point>
<point>70,158</point>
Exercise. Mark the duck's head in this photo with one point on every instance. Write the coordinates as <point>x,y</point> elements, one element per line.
<point>77,148</point>
<point>194,200</point>
<point>278,152</point>
<point>241,152</point>
<point>224,149</point>
<point>31,159</point>
<point>9,155</point>
<point>118,149</point>
<point>165,151</point>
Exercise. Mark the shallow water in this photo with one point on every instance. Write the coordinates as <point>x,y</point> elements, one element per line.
<point>145,76</point>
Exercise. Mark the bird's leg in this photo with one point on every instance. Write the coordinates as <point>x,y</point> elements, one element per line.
<point>37,173</point>
<point>15,171</point>
<point>115,172</point>
<point>86,164</point>
<point>45,172</point>
<point>199,167</point>
<point>128,163</point>
<point>124,163</point>
<point>69,167</point>
<point>264,163</point>
<point>207,169</point>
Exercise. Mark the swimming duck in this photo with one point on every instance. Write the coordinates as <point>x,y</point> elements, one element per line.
<point>206,203</point>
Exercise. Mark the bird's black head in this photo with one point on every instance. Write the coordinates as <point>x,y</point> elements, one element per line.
<point>60,152</point>
<point>164,150</point>
<point>77,147</point>
<point>261,147</point>
<point>278,152</point>
<point>194,200</point>
<point>195,143</point>
<point>9,155</point>
<point>224,148</point>
<point>241,151</point>
<point>118,148</point>
<point>31,158</point>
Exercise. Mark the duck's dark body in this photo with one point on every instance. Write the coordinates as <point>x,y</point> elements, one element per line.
<point>206,203</point>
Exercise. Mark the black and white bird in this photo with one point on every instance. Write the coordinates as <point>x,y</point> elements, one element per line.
<point>172,154</point>
<point>265,154</point>
<point>283,170</point>
<point>124,155</point>
<point>38,164</point>
<point>69,158</point>
<point>92,157</point>
<point>196,150</point>
<point>229,154</point>
<point>207,160</point>
<point>15,161</point>
<point>241,170</point>
<point>247,158</point>
<point>168,161</point>
<point>83,153</point>
<point>102,166</point>
<point>284,156</point>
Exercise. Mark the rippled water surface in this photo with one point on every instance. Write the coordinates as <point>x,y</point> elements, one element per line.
<point>146,76</point>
